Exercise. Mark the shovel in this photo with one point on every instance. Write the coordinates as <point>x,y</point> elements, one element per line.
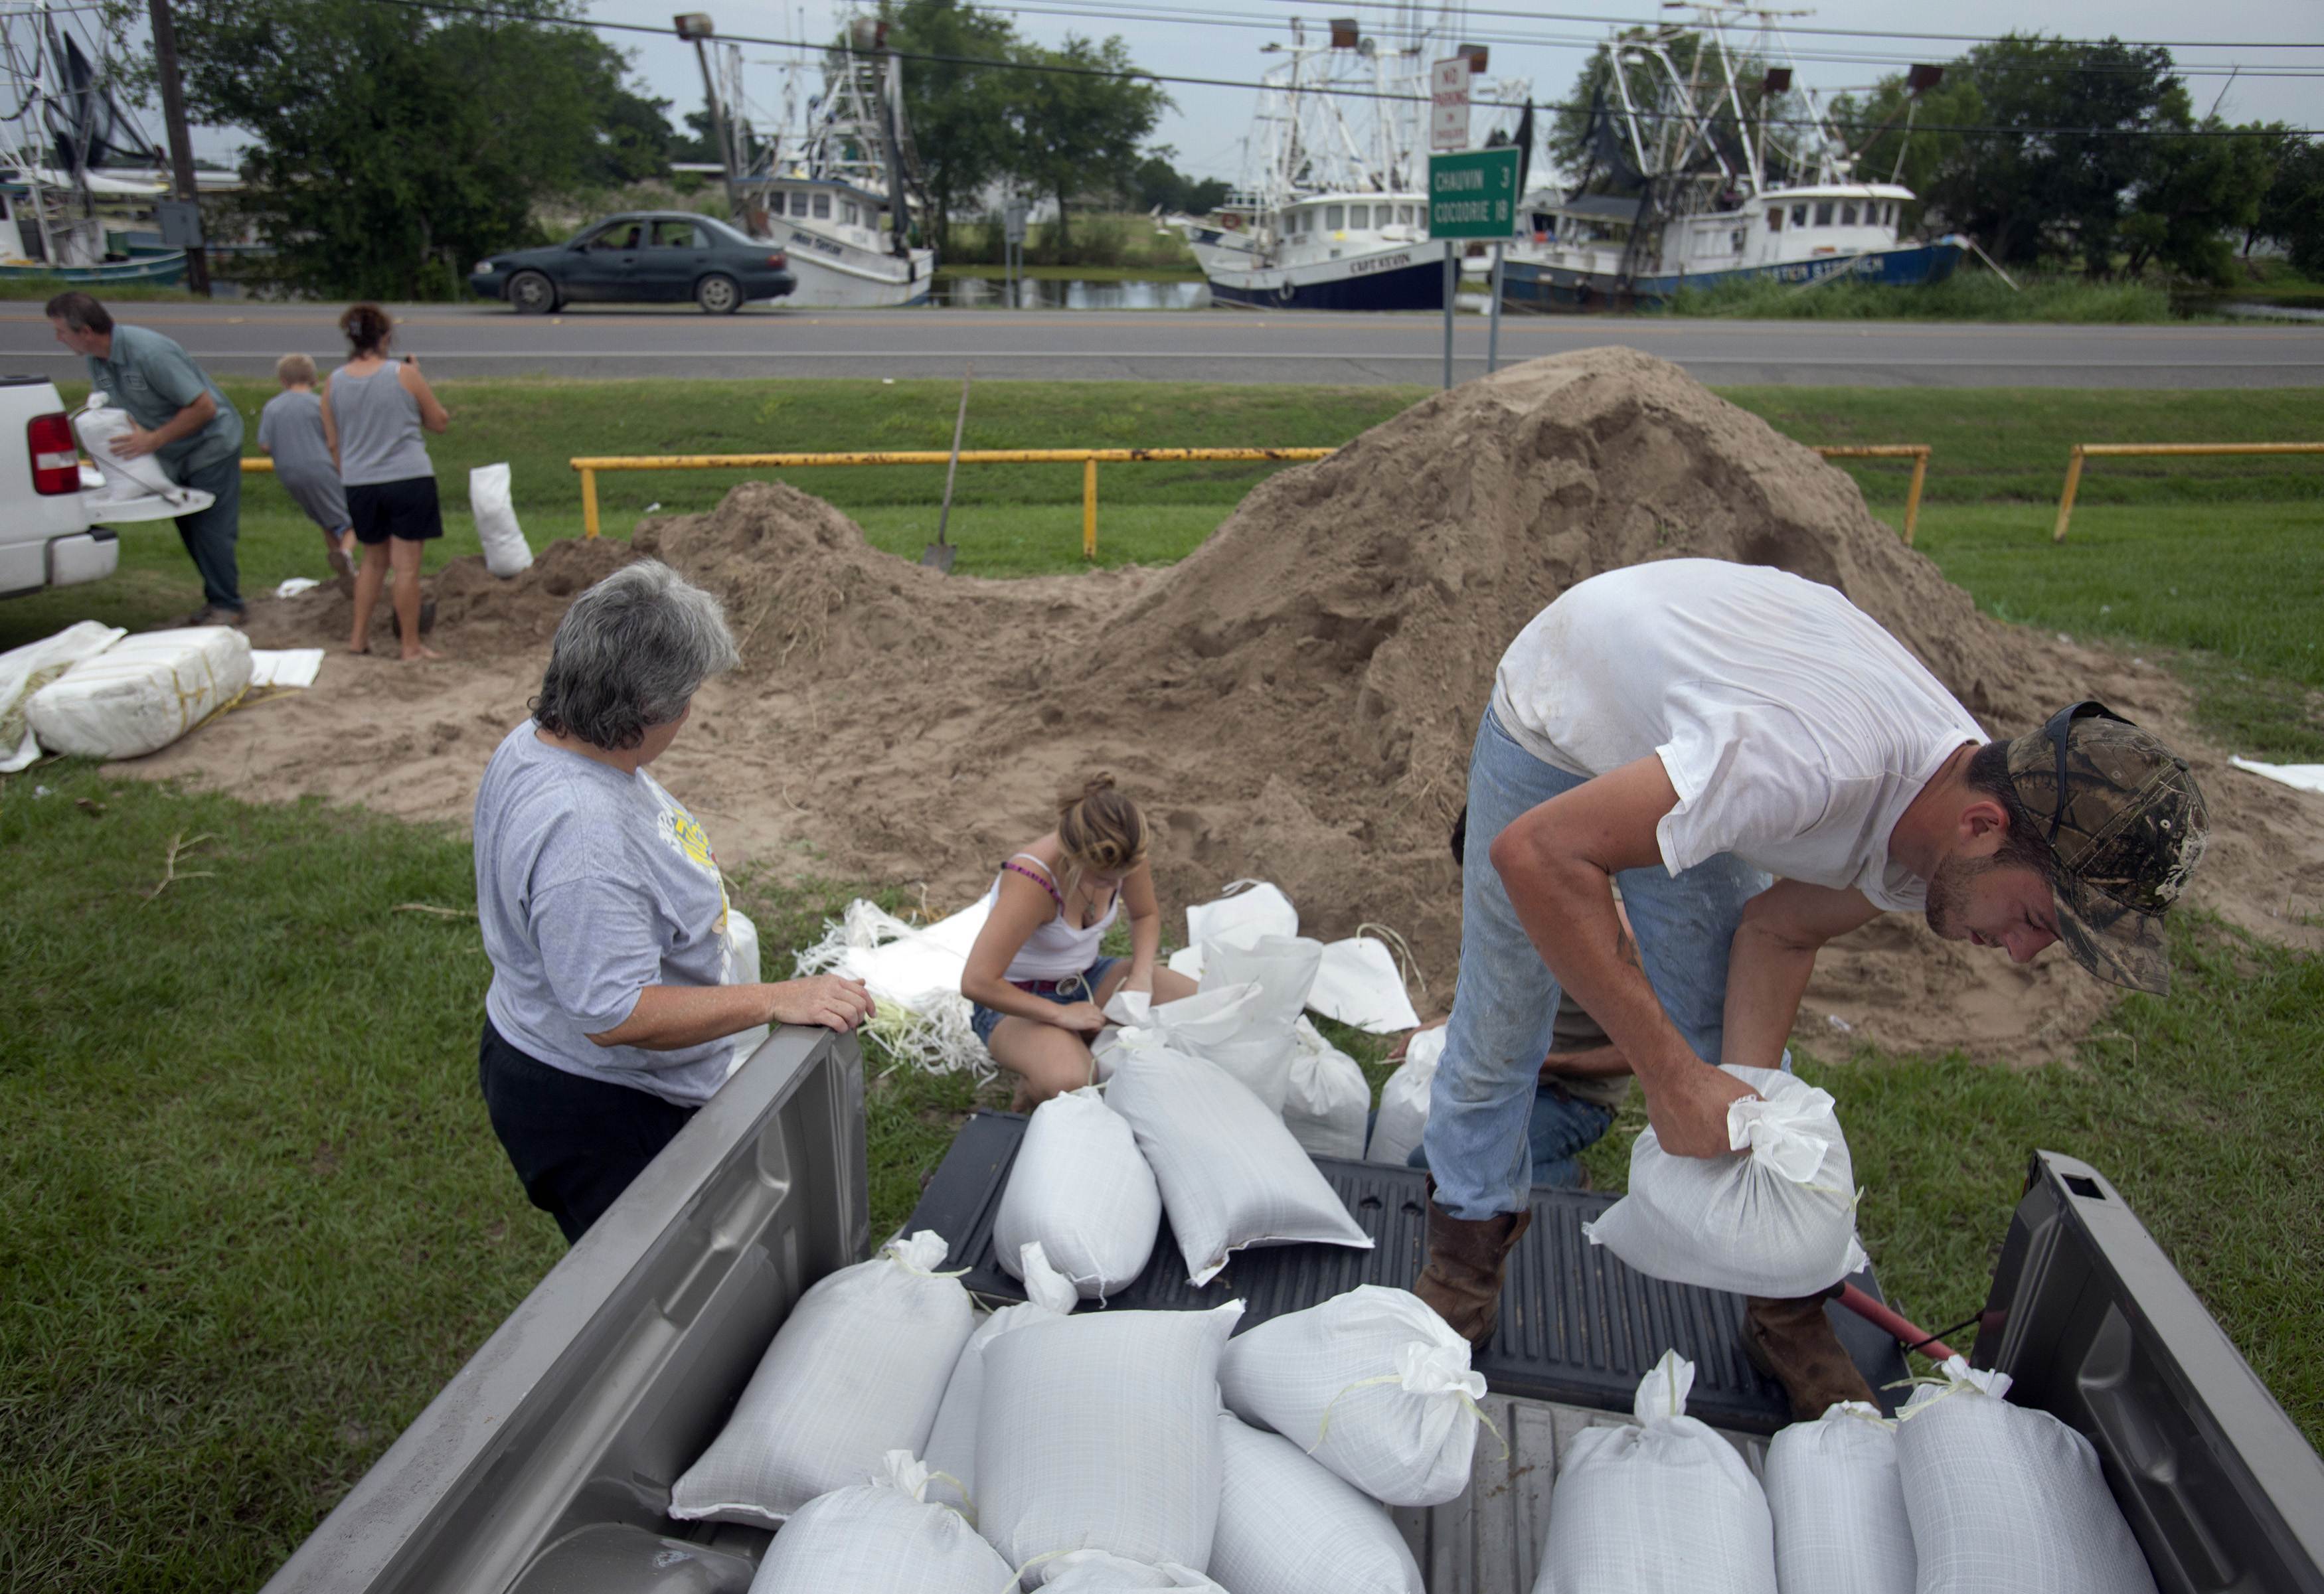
<point>938,555</point>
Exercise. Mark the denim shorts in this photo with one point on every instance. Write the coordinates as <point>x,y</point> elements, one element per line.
<point>1073,988</point>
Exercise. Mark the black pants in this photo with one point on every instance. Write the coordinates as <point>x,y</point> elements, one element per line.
<point>575,1143</point>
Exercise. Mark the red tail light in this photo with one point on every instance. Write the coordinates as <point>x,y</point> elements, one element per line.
<point>779,260</point>
<point>55,457</point>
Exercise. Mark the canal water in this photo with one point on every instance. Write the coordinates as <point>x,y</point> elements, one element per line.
<point>1072,293</point>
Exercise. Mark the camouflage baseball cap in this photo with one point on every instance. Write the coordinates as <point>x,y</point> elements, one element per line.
<point>2127,823</point>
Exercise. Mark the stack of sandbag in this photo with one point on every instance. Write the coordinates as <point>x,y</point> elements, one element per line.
<point>1838,1506</point>
<point>140,693</point>
<point>1404,1101</point>
<point>951,1441</point>
<point>1289,1524</point>
<point>1193,1024</point>
<point>1373,1384</point>
<point>1327,1100</point>
<point>1778,1218</point>
<point>1082,1191</point>
<point>858,1369</point>
<point>25,670</point>
<point>1231,1174</point>
<point>1094,1571</point>
<point>2005,1499</point>
<point>879,1534</point>
<point>1100,1432</point>
<point>1665,1508</point>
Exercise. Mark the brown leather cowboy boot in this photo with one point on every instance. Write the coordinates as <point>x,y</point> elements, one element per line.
<point>1463,1279</point>
<point>1793,1342</point>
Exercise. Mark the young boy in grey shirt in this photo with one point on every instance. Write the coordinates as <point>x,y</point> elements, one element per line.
<point>290,430</point>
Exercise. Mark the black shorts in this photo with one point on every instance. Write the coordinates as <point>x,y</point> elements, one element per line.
<point>406,511</point>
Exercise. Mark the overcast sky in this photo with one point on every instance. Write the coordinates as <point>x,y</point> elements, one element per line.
<point>1208,126</point>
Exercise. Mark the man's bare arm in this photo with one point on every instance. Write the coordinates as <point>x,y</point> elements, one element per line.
<point>1774,955</point>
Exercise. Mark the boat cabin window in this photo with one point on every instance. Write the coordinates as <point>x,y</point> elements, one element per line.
<point>798,203</point>
<point>1361,216</point>
<point>1888,214</point>
<point>823,206</point>
<point>1799,215</point>
<point>1775,220</point>
<point>1848,216</point>
<point>1735,241</point>
<point>851,214</point>
<point>679,234</point>
<point>1824,212</point>
<point>1335,216</point>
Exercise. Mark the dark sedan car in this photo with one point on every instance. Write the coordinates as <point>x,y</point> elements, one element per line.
<point>656,256</point>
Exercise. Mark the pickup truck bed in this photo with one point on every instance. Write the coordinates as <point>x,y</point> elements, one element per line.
<point>545,1466</point>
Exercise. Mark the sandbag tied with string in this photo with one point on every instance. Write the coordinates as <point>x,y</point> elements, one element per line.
<point>2005,1499</point>
<point>1289,1524</point>
<point>884,1534</point>
<point>858,1369</point>
<point>1373,1384</point>
<point>1838,1507</point>
<point>951,1441</point>
<point>1081,1191</point>
<point>1776,1218</point>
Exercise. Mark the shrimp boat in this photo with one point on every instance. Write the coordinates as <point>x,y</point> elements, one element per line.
<point>1336,218</point>
<point>839,189</point>
<point>1705,166</point>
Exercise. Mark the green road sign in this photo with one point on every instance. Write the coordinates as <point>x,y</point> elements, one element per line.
<point>1474,194</point>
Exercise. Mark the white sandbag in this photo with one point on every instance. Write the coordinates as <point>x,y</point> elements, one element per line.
<point>1246,908</point>
<point>1838,1506</point>
<point>1230,1173</point>
<point>742,968</point>
<point>2005,1499</point>
<point>880,1535</point>
<point>1778,1218</point>
<point>142,694</point>
<point>26,670</point>
<point>1372,1384</point>
<point>1093,1571</point>
<point>506,552</point>
<point>99,428</point>
<point>1258,1051</point>
<point>1327,1099</point>
<point>952,1442</point>
<point>1100,1432</point>
<point>1403,1117</point>
<point>1082,1190</point>
<point>1288,1525</point>
<point>1224,1023</point>
<point>1665,1508</point>
<point>856,1370</point>
<point>1357,982</point>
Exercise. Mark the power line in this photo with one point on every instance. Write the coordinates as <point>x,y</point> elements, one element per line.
<point>1062,69</point>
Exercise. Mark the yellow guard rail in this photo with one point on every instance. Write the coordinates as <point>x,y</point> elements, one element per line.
<point>2123,450</point>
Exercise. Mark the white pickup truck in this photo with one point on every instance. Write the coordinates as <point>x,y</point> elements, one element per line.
<point>55,513</point>
<point>545,1466</point>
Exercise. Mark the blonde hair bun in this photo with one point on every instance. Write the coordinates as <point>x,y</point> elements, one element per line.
<point>1100,829</point>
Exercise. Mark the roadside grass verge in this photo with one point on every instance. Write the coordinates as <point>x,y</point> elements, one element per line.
<point>256,1216</point>
<point>1972,293</point>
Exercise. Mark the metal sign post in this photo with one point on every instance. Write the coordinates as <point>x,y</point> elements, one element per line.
<point>1493,315</point>
<point>1012,246</point>
<point>1472,195</point>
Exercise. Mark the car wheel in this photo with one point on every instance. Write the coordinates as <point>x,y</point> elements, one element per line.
<point>718,295</point>
<point>531,293</point>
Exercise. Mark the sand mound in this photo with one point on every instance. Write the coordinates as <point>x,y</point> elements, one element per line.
<point>477,613</point>
<point>1294,701</point>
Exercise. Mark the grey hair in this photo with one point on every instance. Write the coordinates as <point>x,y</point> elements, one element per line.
<point>629,654</point>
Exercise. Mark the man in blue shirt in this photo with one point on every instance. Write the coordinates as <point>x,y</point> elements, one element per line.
<point>184,421</point>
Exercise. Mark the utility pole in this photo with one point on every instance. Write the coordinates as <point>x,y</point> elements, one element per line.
<point>695,27</point>
<point>182,147</point>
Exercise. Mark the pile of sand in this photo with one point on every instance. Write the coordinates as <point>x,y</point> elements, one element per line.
<point>1296,700</point>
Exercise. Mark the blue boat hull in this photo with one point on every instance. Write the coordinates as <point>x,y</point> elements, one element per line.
<point>1406,288</point>
<point>160,271</point>
<point>1532,285</point>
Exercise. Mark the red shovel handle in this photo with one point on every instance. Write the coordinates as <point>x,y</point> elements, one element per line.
<point>1907,1333</point>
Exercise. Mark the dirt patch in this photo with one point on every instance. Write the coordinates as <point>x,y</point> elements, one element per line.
<point>1294,701</point>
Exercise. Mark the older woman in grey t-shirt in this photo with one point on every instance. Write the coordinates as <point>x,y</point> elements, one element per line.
<point>609,1018</point>
<point>374,410</point>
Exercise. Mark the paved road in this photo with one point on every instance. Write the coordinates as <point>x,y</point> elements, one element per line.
<point>1209,345</point>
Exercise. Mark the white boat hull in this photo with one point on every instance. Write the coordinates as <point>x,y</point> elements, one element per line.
<point>836,275</point>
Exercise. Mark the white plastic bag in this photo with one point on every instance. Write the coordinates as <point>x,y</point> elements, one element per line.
<point>1357,982</point>
<point>742,968</point>
<point>1776,1219</point>
<point>1246,908</point>
<point>1223,1024</point>
<point>1289,1526</point>
<point>98,427</point>
<point>26,670</point>
<point>1838,1506</point>
<point>142,694</point>
<point>1231,1174</point>
<point>2005,1499</point>
<point>1665,1507</point>
<point>1283,968</point>
<point>855,1371</point>
<point>1093,1571</point>
<point>883,1535</point>
<point>506,552</point>
<point>1327,1098</point>
<point>1081,1188</point>
<point>952,1442</point>
<point>1100,1432</point>
<point>1372,1384</point>
<point>1403,1117</point>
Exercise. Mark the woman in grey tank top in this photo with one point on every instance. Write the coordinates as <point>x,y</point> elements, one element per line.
<point>374,410</point>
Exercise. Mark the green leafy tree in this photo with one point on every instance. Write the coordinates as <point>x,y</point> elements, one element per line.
<point>634,140</point>
<point>961,109</point>
<point>391,146</point>
<point>2198,195</point>
<point>1157,183</point>
<point>1883,131</point>
<point>1081,130</point>
<point>2291,211</point>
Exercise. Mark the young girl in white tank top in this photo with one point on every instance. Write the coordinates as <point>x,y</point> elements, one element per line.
<point>1035,975</point>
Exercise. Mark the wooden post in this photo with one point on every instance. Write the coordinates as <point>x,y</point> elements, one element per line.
<point>1089,509</point>
<point>2066,499</point>
<point>588,502</point>
<point>182,148</point>
<point>1913,495</point>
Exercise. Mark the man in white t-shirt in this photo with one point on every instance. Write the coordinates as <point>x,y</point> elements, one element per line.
<point>1763,768</point>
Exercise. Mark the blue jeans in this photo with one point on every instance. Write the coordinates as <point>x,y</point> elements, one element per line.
<point>1558,1131</point>
<point>1075,988</point>
<point>1480,1110</point>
